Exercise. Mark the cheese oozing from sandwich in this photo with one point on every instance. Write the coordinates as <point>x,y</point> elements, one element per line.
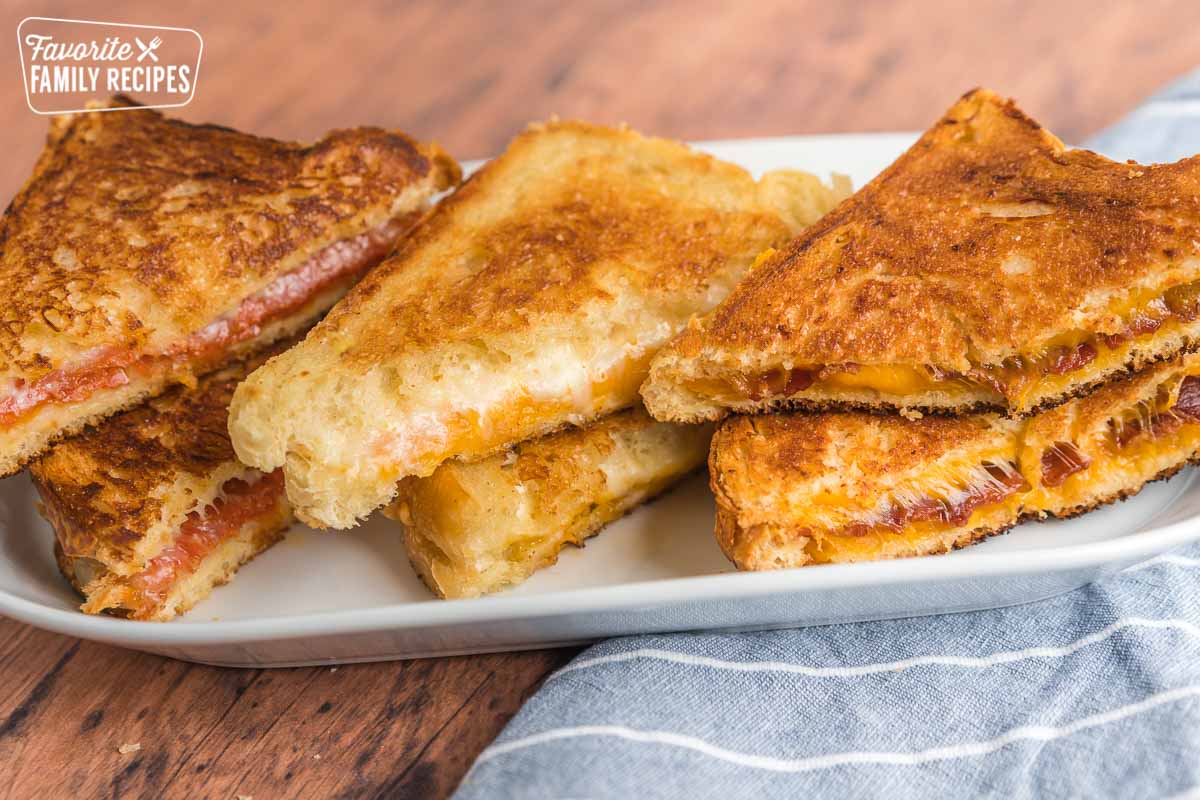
<point>1171,312</point>
<point>794,490</point>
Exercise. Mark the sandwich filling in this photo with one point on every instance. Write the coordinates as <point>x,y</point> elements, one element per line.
<point>338,264</point>
<point>239,503</point>
<point>473,528</point>
<point>1053,367</point>
<point>990,483</point>
<point>500,418</point>
<point>1001,489</point>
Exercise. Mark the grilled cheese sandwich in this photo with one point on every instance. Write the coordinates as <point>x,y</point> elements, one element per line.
<point>989,267</point>
<point>532,298</point>
<point>795,489</point>
<point>144,251</point>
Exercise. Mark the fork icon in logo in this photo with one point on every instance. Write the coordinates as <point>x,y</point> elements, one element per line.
<point>148,49</point>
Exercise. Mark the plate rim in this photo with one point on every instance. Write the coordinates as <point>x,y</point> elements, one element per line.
<point>661,592</point>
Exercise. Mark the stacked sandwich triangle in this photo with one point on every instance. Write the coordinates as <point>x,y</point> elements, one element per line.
<point>996,328</point>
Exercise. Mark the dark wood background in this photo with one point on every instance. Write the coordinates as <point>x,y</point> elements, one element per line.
<point>470,74</point>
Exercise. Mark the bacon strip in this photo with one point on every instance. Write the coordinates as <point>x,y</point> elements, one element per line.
<point>204,530</point>
<point>1188,401</point>
<point>1060,462</point>
<point>111,367</point>
<point>780,382</point>
<point>1181,303</point>
<point>1005,481</point>
<point>1068,359</point>
<point>1185,410</point>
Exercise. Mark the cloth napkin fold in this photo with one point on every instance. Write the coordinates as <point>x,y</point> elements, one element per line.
<point>1095,693</point>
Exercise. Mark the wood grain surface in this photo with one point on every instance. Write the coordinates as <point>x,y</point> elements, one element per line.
<point>470,74</point>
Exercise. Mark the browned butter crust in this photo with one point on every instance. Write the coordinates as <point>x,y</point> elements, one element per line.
<point>543,260</point>
<point>136,227</point>
<point>987,239</point>
<point>911,269</point>
<point>136,231</point>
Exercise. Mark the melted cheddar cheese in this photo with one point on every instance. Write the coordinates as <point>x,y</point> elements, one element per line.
<point>827,548</point>
<point>891,380</point>
<point>1111,465</point>
<point>1018,376</point>
<point>468,434</point>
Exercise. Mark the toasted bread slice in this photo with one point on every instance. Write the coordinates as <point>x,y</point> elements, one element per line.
<point>795,489</point>
<point>988,268</point>
<point>144,250</point>
<point>471,529</point>
<point>531,298</point>
<point>151,509</point>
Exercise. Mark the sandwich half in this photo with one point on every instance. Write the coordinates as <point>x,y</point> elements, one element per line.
<point>531,298</point>
<point>151,509</point>
<point>989,267</point>
<point>795,489</point>
<point>144,250</point>
<point>471,529</point>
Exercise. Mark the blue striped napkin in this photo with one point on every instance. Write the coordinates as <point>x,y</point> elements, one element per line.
<point>1095,693</point>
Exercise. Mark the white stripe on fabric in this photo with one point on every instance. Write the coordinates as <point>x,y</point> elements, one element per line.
<point>1179,561</point>
<point>1168,107</point>
<point>1187,794</point>
<point>889,666</point>
<point>1040,733</point>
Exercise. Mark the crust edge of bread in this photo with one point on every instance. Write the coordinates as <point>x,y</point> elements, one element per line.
<point>216,569</point>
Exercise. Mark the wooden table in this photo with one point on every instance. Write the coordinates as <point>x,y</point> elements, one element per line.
<point>470,75</point>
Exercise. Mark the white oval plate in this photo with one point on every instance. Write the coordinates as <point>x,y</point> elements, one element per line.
<point>327,598</point>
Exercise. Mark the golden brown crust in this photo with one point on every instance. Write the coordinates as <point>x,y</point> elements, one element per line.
<point>136,230</point>
<point>532,297</point>
<point>985,240</point>
<point>731,537</point>
<point>543,260</point>
<point>189,218</point>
